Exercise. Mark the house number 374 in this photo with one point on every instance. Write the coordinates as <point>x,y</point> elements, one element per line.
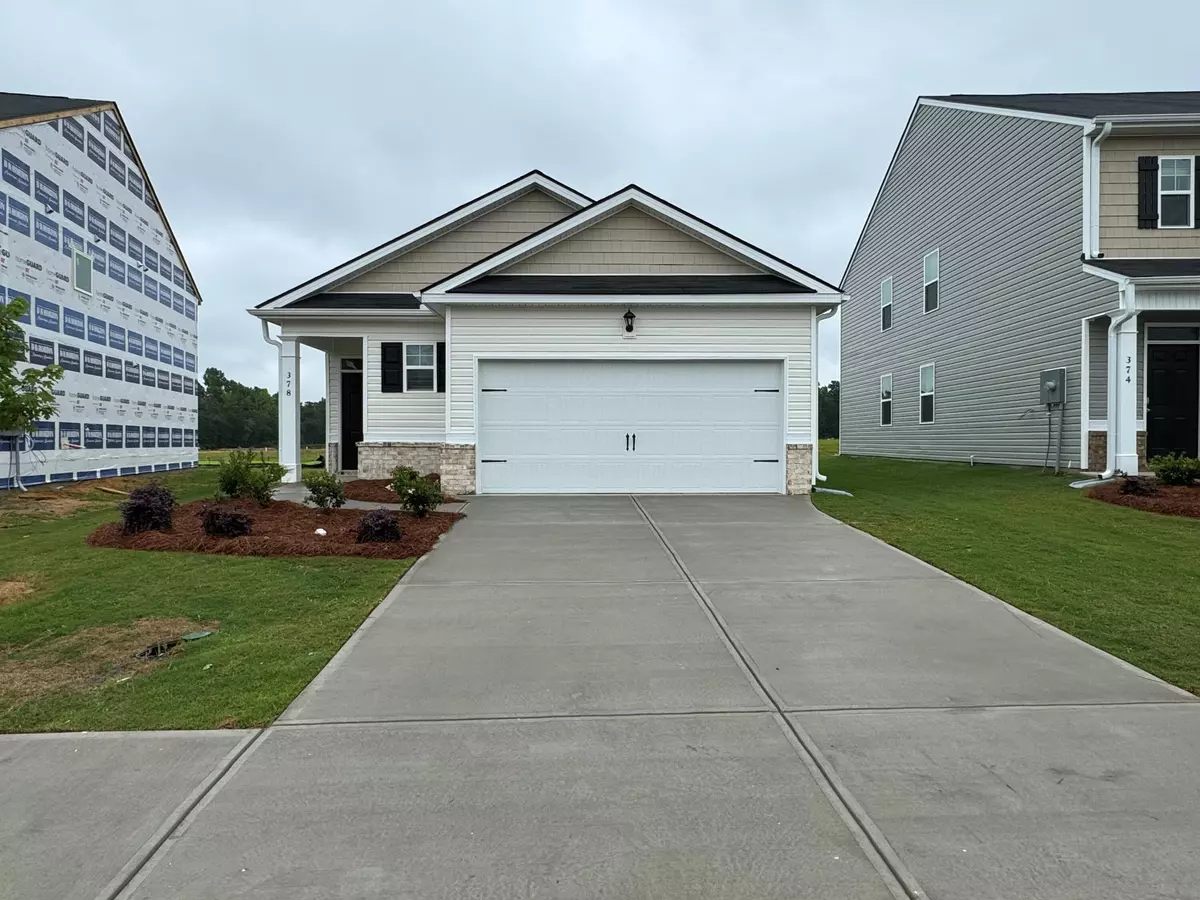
<point>1128,369</point>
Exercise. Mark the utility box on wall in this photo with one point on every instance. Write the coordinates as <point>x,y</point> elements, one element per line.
<point>1053,387</point>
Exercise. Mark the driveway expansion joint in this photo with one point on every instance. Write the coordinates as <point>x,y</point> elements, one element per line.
<point>892,870</point>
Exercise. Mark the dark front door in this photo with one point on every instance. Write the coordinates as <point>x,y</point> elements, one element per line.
<point>352,418</point>
<point>1173,417</point>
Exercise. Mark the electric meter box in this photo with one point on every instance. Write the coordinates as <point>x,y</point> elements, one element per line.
<point>1053,387</point>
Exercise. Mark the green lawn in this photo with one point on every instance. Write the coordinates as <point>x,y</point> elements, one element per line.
<point>280,621</point>
<point>1124,580</point>
<point>307,455</point>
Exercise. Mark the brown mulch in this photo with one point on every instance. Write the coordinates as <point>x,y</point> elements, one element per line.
<point>1168,499</point>
<point>377,490</point>
<point>87,658</point>
<point>281,529</point>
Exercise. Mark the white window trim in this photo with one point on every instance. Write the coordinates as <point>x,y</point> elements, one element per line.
<point>432,369</point>
<point>1191,192</point>
<point>888,401</point>
<point>883,306</point>
<point>75,255</point>
<point>922,394</point>
<point>936,251</point>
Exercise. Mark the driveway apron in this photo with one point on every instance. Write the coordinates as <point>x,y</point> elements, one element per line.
<point>727,697</point>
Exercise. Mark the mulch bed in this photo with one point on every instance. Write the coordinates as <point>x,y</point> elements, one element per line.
<point>376,490</point>
<point>281,529</point>
<point>1168,499</point>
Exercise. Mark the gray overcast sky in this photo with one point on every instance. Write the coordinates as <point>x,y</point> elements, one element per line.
<point>284,138</point>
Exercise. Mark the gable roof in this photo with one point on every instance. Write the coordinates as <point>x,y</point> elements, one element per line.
<point>20,109</point>
<point>662,209</point>
<point>435,227</point>
<point>1087,106</point>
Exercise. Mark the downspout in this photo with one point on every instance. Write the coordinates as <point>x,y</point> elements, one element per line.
<point>821,316</point>
<point>1091,205</point>
<point>1125,315</point>
<point>278,363</point>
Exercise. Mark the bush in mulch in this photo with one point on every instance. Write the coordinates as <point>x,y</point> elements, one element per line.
<point>218,521</point>
<point>1166,499</point>
<point>378,525</point>
<point>282,528</point>
<point>1136,484</point>
<point>377,490</point>
<point>325,490</point>
<point>149,508</point>
<point>1176,469</point>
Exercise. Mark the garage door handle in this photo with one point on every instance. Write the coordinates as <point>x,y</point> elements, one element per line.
<point>635,443</point>
<point>626,442</point>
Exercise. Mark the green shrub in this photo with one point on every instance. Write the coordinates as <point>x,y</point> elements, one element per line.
<point>1138,487</point>
<point>325,489</point>
<point>149,508</point>
<point>240,476</point>
<point>377,525</point>
<point>423,495</point>
<point>403,478</point>
<point>1175,469</point>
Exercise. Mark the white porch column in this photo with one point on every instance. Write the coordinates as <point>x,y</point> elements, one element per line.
<point>1122,422</point>
<point>289,409</point>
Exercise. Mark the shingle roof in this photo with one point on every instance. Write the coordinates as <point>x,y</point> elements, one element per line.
<point>358,301</point>
<point>1087,106</point>
<point>1175,267</point>
<point>19,106</point>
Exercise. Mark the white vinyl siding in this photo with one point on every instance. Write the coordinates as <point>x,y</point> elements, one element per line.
<point>407,416</point>
<point>598,332</point>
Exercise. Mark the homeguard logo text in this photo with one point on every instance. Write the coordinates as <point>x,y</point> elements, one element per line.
<point>30,136</point>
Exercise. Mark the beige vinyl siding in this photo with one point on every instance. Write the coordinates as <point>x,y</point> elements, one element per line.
<point>467,244</point>
<point>1001,198</point>
<point>410,416</point>
<point>662,333</point>
<point>1119,234</point>
<point>630,242</point>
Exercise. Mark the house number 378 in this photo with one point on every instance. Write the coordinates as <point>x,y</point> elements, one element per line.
<point>287,382</point>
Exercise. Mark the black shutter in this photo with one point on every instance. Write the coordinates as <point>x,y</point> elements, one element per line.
<point>1147,192</point>
<point>440,384</point>
<point>392,358</point>
<point>1195,193</point>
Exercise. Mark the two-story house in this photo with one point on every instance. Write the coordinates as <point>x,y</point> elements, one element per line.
<point>1026,288</point>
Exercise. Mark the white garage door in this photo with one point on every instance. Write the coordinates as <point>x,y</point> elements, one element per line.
<point>630,426</point>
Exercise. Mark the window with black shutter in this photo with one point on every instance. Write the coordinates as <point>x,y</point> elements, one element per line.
<point>392,368</point>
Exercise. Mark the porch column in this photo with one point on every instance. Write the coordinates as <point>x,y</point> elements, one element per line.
<point>1122,423</point>
<point>289,409</point>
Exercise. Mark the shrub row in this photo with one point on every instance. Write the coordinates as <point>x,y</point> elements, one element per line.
<point>1175,469</point>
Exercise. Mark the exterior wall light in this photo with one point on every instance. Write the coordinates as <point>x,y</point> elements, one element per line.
<point>629,317</point>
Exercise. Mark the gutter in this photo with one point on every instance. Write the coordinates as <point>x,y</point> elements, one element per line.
<point>1094,136</point>
<point>266,335</point>
<point>1126,314</point>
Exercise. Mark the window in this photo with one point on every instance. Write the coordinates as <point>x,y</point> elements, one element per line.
<point>1175,194</point>
<point>83,273</point>
<point>419,367</point>
<point>932,271</point>
<point>885,304</point>
<point>885,399</point>
<point>927,394</point>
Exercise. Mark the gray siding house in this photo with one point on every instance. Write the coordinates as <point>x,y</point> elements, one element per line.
<point>1017,236</point>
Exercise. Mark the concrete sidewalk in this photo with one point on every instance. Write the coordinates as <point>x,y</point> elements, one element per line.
<point>731,697</point>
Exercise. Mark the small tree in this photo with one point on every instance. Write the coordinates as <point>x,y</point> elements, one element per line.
<point>25,397</point>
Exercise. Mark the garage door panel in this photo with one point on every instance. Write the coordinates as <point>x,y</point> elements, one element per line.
<point>700,426</point>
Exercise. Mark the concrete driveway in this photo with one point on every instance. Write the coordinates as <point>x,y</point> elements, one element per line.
<point>730,697</point>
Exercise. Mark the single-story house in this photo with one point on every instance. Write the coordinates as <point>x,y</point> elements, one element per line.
<point>534,340</point>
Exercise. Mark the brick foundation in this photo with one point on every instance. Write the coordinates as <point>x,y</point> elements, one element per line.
<point>454,462</point>
<point>1097,459</point>
<point>799,468</point>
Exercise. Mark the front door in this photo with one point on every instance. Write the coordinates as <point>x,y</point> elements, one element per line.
<point>352,419</point>
<point>1173,411</point>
